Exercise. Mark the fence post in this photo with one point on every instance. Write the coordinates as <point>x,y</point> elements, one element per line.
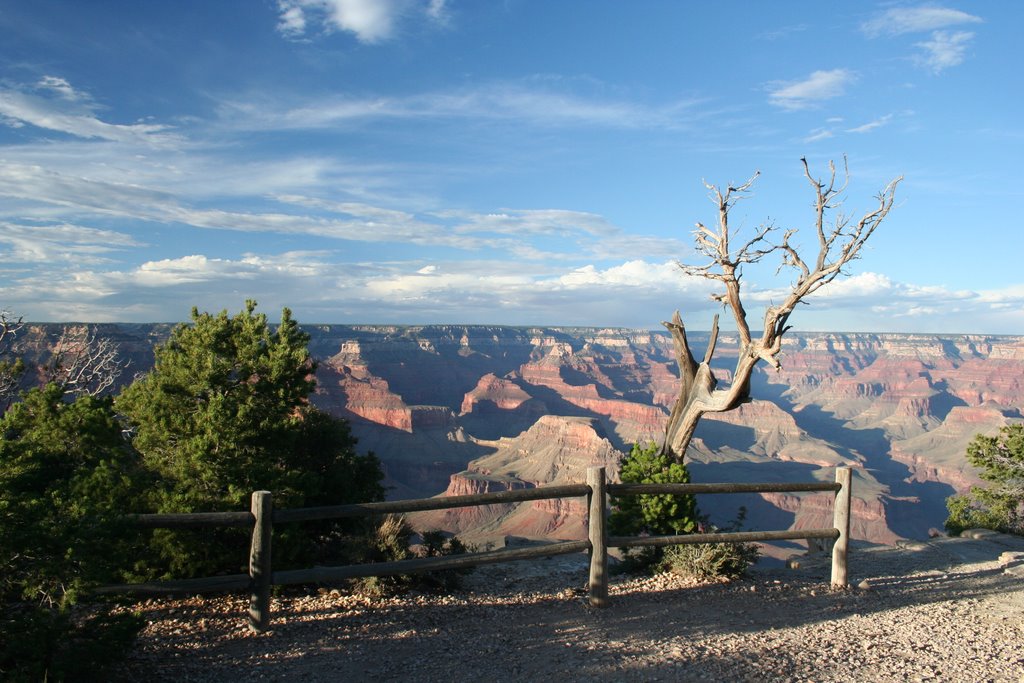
<point>597,531</point>
<point>260,573</point>
<point>841,521</point>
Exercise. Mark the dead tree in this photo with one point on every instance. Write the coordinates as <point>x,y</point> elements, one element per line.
<point>83,363</point>
<point>839,241</point>
<point>10,370</point>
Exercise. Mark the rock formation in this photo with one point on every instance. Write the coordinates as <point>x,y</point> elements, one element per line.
<point>454,409</point>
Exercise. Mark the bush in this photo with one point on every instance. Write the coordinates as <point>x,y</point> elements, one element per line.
<point>437,544</point>
<point>653,514</point>
<point>710,560</point>
<point>39,643</point>
<point>649,514</point>
<point>391,541</point>
<point>1000,504</point>
<point>225,412</point>
<point>703,561</point>
<point>66,478</point>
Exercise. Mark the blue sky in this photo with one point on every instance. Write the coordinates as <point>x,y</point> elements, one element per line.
<point>518,162</point>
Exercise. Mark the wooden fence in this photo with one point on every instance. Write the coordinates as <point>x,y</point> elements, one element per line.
<point>262,517</point>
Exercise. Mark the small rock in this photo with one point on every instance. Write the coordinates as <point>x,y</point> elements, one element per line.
<point>865,585</point>
<point>978,533</point>
<point>1011,559</point>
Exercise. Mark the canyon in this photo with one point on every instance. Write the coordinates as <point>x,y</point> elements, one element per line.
<point>454,409</point>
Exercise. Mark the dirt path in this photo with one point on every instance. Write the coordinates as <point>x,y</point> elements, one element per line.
<point>948,609</point>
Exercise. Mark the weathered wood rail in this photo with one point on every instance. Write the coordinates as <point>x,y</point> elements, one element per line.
<point>262,516</point>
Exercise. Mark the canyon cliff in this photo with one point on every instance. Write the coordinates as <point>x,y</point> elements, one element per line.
<point>461,409</point>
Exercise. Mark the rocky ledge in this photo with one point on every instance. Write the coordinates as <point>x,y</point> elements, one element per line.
<point>947,609</point>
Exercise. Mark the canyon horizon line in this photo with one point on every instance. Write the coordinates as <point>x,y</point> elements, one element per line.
<point>655,327</point>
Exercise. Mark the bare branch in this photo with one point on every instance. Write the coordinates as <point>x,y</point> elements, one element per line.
<point>9,325</point>
<point>839,242</point>
<point>10,370</point>
<point>84,364</point>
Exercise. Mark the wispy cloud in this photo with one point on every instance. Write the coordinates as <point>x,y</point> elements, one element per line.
<point>871,125</point>
<point>61,87</point>
<point>819,134</point>
<point>532,222</point>
<point>944,48</point>
<point>371,21</point>
<point>321,289</point>
<point>545,234</point>
<point>783,32</point>
<point>72,112</point>
<point>62,242</point>
<point>496,102</point>
<point>899,20</point>
<point>631,292</point>
<point>820,85</point>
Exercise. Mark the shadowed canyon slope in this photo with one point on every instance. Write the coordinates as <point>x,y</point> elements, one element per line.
<point>457,409</point>
<point>471,409</point>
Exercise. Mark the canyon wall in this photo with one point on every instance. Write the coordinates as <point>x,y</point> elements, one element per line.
<point>459,409</point>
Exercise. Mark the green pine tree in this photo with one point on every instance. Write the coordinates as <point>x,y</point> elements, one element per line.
<point>654,514</point>
<point>1000,504</point>
<point>225,412</point>
<point>66,478</point>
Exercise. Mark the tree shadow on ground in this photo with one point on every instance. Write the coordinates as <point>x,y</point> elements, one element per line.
<point>642,635</point>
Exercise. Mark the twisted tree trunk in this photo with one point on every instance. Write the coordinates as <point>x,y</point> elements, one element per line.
<point>838,244</point>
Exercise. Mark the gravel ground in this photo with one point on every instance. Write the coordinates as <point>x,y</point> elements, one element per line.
<point>945,610</point>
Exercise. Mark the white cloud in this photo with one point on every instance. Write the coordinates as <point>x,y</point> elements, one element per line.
<point>871,125</point>
<point>859,286</point>
<point>61,87</point>
<point>64,242</point>
<point>900,20</point>
<point>820,85</point>
<point>635,293</point>
<point>370,21</point>
<point>532,222</point>
<point>495,102</point>
<point>292,22</point>
<point>819,134</point>
<point>634,273</point>
<point>72,114</point>
<point>438,10</point>
<point>945,49</point>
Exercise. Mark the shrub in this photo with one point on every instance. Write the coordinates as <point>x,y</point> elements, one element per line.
<point>66,478</point>
<point>654,514</point>
<point>38,643</point>
<point>710,560</point>
<point>1000,504</point>
<point>391,541</point>
<point>703,561</point>
<point>651,514</point>
<point>225,412</point>
<point>437,544</point>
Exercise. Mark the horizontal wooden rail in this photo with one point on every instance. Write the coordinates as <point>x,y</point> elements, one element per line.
<point>188,520</point>
<point>327,574</point>
<point>212,584</point>
<point>426,564</point>
<point>424,504</point>
<point>692,489</point>
<point>262,516</point>
<point>724,537</point>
